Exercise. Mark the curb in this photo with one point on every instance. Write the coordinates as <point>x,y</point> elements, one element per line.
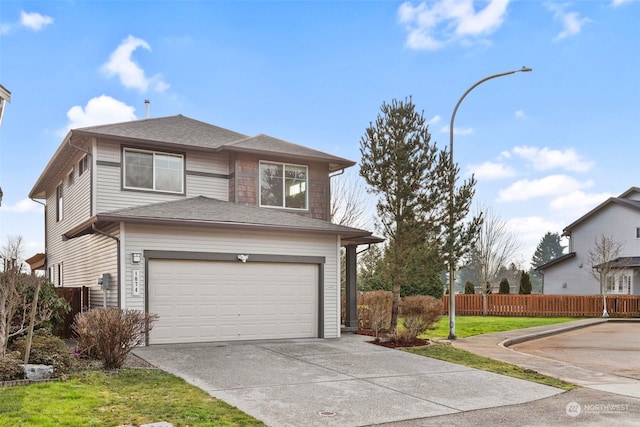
<point>565,328</point>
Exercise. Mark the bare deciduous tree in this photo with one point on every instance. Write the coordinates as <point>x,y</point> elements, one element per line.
<point>348,200</point>
<point>15,309</point>
<point>495,248</point>
<point>605,264</point>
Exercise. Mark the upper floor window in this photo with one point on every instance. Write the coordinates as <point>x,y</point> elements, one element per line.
<point>150,170</point>
<point>59,200</point>
<point>283,185</point>
<point>637,232</point>
<point>83,165</point>
<point>70,179</point>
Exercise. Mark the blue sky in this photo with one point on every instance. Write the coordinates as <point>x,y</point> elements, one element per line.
<point>545,146</point>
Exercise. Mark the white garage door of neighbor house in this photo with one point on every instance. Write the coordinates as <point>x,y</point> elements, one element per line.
<point>201,301</point>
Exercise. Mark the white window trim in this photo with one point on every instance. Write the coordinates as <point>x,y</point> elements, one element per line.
<point>60,202</point>
<point>284,197</point>
<point>83,165</point>
<point>153,179</point>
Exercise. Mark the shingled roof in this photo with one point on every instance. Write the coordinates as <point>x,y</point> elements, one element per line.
<point>178,133</point>
<point>207,212</point>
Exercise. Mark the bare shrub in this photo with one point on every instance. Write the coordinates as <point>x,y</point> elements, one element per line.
<point>378,310</point>
<point>420,314</point>
<point>109,334</point>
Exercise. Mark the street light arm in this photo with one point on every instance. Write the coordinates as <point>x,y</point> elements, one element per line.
<point>478,83</point>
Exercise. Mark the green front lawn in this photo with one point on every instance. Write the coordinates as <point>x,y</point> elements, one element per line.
<point>134,396</point>
<point>467,326</point>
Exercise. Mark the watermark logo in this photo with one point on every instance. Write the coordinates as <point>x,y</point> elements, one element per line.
<point>573,409</point>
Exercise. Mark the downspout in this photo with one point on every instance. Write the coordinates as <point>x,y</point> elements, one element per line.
<point>331,175</point>
<point>117,239</point>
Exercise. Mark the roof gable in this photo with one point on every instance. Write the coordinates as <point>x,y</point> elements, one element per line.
<point>623,200</point>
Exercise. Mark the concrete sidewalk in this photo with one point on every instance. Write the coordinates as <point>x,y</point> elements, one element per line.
<point>337,382</point>
<point>499,346</point>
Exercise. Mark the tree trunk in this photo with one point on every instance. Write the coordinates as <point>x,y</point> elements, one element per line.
<point>604,305</point>
<point>394,308</point>
<point>485,304</point>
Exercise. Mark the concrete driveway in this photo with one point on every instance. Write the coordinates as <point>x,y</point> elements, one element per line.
<point>336,382</point>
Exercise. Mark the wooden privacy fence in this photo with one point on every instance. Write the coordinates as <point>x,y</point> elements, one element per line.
<point>78,299</point>
<point>546,305</point>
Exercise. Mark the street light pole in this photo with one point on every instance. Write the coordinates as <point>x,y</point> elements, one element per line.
<point>452,258</point>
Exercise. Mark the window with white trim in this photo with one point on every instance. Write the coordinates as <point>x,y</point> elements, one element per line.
<point>83,165</point>
<point>283,185</point>
<point>155,171</point>
<point>70,178</point>
<point>59,202</point>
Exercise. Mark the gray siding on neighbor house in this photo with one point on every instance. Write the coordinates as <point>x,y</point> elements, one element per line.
<point>206,175</point>
<point>616,221</point>
<point>139,238</point>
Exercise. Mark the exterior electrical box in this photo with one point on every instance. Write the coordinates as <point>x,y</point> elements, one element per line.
<point>104,281</point>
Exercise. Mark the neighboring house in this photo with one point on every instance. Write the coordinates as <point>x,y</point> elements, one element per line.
<point>223,235</point>
<point>618,218</point>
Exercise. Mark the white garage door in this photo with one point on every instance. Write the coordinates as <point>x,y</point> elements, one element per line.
<point>201,301</point>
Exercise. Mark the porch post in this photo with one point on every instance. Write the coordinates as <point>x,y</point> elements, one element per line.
<point>351,309</point>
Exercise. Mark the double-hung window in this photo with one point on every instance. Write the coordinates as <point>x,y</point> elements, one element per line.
<point>151,170</point>
<point>283,185</point>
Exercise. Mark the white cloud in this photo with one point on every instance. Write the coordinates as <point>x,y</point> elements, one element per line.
<point>577,203</point>
<point>616,3</point>
<point>34,21</point>
<point>446,21</point>
<point>491,171</point>
<point>520,114</point>
<point>572,22</point>
<point>23,206</point>
<point>457,131</point>
<point>547,158</point>
<point>100,110</point>
<point>122,65</point>
<point>435,119</point>
<point>552,185</point>
<point>530,230</point>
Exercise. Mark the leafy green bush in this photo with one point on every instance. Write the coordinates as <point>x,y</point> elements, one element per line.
<point>10,368</point>
<point>420,314</point>
<point>469,289</point>
<point>109,334</point>
<point>47,349</point>
<point>504,286</point>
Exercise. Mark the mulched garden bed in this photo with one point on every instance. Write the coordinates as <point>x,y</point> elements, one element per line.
<point>391,343</point>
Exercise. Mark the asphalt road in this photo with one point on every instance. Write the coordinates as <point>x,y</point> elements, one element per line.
<point>612,348</point>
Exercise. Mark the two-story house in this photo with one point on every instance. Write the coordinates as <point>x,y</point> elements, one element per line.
<point>223,235</point>
<point>618,219</point>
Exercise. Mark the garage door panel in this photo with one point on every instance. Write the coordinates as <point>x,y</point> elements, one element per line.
<point>200,301</point>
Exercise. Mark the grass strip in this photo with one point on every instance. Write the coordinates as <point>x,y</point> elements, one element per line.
<point>133,396</point>
<point>467,326</point>
<point>448,353</point>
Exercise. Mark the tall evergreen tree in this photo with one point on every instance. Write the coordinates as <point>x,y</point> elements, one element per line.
<point>525,283</point>
<point>411,178</point>
<point>549,248</point>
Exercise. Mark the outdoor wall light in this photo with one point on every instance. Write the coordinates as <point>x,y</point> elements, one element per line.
<point>136,257</point>
<point>243,258</point>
